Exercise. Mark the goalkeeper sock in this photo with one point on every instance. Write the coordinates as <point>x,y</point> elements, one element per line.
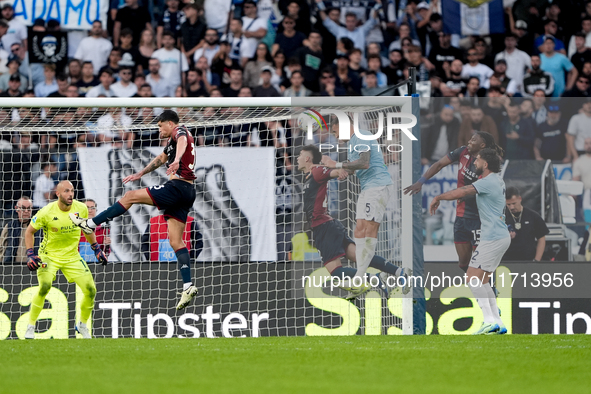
<point>364,252</point>
<point>481,295</point>
<point>182,255</point>
<point>112,212</point>
<point>36,308</point>
<point>380,263</point>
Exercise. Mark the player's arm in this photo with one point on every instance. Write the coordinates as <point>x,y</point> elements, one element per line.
<point>430,173</point>
<point>33,260</point>
<point>154,164</point>
<point>451,195</point>
<point>360,164</point>
<point>181,146</point>
<point>96,248</point>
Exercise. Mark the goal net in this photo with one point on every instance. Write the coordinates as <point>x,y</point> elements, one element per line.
<point>253,256</point>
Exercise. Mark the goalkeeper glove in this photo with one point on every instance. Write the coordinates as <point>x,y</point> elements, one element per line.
<point>100,255</point>
<point>34,261</point>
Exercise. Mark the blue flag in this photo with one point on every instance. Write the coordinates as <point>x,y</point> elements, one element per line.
<point>473,17</point>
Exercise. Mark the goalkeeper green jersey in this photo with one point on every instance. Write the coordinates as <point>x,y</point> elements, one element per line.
<point>60,235</point>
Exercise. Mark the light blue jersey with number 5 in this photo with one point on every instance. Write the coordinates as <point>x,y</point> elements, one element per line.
<point>377,174</point>
<point>491,207</point>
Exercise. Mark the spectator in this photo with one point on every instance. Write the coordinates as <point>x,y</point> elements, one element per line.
<point>195,86</point>
<point>254,28</point>
<point>330,41</point>
<point>403,32</point>
<point>370,84</point>
<point>145,50</point>
<point>12,238</point>
<point>62,86</point>
<point>17,31</point>
<point>582,53</point>
<point>355,60</point>
<point>550,141</point>
<point>280,75</point>
<point>236,38</point>
<point>582,172</point>
<point>394,69</point>
<point>145,90</point>
<point>134,17</point>
<point>44,186</point>
<point>14,87</point>
<point>88,80</point>
<point>476,121</point>
<point>104,88</point>
<point>585,31</point>
<point>72,91</point>
<point>579,129</point>
<point>476,69</point>
<point>216,14</point>
<point>94,48</point>
<point>374,63</point>
<point>173,62</point>
<point>74,71</point>
<point>444,54</point>
<point>222,64</point>
<point>297,89</point>
<point>311,60</point>
<point>33,72</point>
<point>508,85</point>
<point>209,79</point>
<point>328,86</point>
<point>519,134</point>
<point>540,111</point>
<point>13,70</point>
<point>356,34</point>
<point>525,38</point>
<point>209,48</point>
<point>49,85</point>
<point>124,87</point>
<point>126,43</point>
<point>266,89</point>
<point>581,88</point>
<point>537,79</point>
<point>441,137</point>
<point>101,233</point>
<point>373,48</point>
<point>473,90</point>
<point>193,29</point>
<point>113,127</point>
<point>517,61</point>
<point>290,40</point>
<point>171,20</point>
<point>245,91</point>
<point>161,87</point>
<point>235,85</point>
<point>115,57</point>
<point>253,68</point>
<point>556,64</point>
<point>550,28</point>
<point>346,78</point>
<point>300,13</point>
<point>528,230</point>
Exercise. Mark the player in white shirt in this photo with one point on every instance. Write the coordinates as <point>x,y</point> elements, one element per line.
<point>94,48</point>
<point>172,61</point>
<point>494,235</point>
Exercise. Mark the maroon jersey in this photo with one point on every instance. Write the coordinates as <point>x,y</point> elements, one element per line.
<point>467,208</point>
<point>187,165</point>
<point>315,200</point>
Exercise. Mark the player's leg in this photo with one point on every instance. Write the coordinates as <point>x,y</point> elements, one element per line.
<point>45,279</point>
<point>175,236</point>
<point>463,238</point>
<point>88,288</point>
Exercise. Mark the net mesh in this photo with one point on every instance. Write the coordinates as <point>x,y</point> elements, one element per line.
<point>256,267</point>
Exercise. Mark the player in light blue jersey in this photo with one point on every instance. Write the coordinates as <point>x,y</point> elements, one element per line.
<point>366,160</point>
<point>494,236</point>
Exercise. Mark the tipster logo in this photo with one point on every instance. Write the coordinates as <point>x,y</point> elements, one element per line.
<point>312,120</point>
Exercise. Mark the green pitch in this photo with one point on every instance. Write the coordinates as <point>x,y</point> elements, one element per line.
<point>420,364</point>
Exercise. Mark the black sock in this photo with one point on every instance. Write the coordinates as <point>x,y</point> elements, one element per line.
<point>182,255</point>
<point>112,212</point>
<point>380,263</point>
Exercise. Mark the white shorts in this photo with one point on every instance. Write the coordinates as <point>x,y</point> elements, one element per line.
<point>372,203</point>
<point>488,254</point>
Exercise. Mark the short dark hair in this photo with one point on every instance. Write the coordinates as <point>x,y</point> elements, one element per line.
<point>168,115</point>
<point>511,192</point>
<point>316,154</point>
<point>492,158</point>
<point>126,32</point>
<point>168,33</point>
<point>61,77</point>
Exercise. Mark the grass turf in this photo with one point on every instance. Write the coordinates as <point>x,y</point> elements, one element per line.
<point>416,364</point>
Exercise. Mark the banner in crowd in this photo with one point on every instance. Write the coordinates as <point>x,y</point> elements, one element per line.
<point>48,48</point>
<point>473,17</point>
<point>71,14</point>
<point>234,207</point>
<point>276,299</point>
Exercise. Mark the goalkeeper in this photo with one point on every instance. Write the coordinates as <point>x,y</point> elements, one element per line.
<point>330,237</point>
<point>59,251</point>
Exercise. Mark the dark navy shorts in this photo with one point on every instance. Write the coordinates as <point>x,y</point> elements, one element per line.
<point>331,240</point>
<point>175,197</point>
<point>467,231</point>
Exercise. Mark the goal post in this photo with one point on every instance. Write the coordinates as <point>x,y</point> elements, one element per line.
<point>256,269</point>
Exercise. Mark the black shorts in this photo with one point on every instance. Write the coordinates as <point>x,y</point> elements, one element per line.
<point>331,240</point>
<point>175,197</point>
<point>467,231</point>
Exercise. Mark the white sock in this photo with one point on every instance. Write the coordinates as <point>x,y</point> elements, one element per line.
<point>82,325</point>
<point>364,252</point>
<point>187,285</point>
<point>398,271</point>
<point>90,223</point>
<point>481,295</point>
<point>494,307</point>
